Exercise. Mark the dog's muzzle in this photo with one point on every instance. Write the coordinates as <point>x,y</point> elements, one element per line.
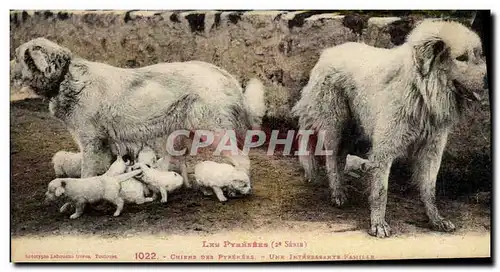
<point>467,94</point>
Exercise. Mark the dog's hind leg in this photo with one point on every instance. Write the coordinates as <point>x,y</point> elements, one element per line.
<point>335,164</point>
<point>425,171</point>
<point>119,202</point>
<point>219,193</point>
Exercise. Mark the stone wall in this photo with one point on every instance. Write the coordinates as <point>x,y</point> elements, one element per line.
<point>279,47</point>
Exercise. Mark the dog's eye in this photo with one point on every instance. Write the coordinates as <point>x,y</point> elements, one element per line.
<point>463,57</point>
<point>478,52</point>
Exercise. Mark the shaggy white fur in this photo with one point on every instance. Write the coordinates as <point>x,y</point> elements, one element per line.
<point>219,176</point>
<point>67,164</point>
<point>159,181</point>
<point>101,104</point>
<point>404,100</point>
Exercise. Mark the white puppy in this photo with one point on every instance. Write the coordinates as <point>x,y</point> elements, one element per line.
<point>159,181</point>
<point>219,176</point>
<point>81,191</point>
<point>162,165</point>
<point>354,163</point>
<point>134,191</point>
<point>147,156</point>
<point>67,164</point>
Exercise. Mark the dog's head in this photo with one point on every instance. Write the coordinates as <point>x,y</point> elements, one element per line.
<point>452,55</point>
<point>240,184</point>
<point>41,65</point>
<point>55,189</point>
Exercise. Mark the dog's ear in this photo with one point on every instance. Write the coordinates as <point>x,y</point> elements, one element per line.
<point>49,61</point>
<point>430,54</point>
<point>60,190</point>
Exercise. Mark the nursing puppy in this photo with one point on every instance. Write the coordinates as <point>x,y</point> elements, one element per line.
<point>159,181</point>
<point>67,164</point>
<point>219,177</point>
<point>100,103</point>
<point>404,100</point>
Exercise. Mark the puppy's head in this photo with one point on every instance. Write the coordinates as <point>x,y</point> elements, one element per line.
<point>451,54</point>
<point>240,184</point>
<point>41,65</point>
<point>117,167</point>
<point>147,156</point>
<point>55,189</point>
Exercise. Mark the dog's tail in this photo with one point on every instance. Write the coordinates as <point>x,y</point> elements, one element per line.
<point>126,176</point>
<point>255,100</point>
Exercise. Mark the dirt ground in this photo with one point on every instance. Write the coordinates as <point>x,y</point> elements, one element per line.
<point>281,199</point>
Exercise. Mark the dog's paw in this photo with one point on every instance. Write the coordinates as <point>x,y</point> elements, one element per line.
<point>116,214</point>
<point>74,216</point>
<point>338,198</point>
<point>380,230</point>
<point>163,200</point>
<point>443,225</point>
<point>223,199</point>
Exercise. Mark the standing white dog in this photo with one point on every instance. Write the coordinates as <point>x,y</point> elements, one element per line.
<point>100,104</point>
<point>404,100</point>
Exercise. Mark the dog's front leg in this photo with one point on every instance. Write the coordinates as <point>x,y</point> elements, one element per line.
<point>425,171</point>
<point>220,195</point>
<point>65,207</point>
<point>79,207</point>
<point>378,196</point>
<point>96,158</point>
<point>184,173</point>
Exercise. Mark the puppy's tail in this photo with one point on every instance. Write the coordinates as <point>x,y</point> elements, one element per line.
<point>126,176</point>
<point>255,100</point>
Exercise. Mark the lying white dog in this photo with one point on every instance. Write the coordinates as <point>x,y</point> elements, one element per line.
<point>67,164</point>
<point>221,176</point>
<point>159,181</point>
<point>81,191</point>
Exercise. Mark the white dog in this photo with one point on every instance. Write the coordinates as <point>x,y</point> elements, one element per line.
<point>159,181</point>
<point>219,176</point>
<point>403,100</point>
<point>67,164</point>
<point>99,103</point>
<point>134,191</point>
<point>81,191</point>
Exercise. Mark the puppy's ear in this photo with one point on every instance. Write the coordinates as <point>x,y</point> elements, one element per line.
<point>49,61</point>
<point>431,54</point>
<point>59,191</point>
